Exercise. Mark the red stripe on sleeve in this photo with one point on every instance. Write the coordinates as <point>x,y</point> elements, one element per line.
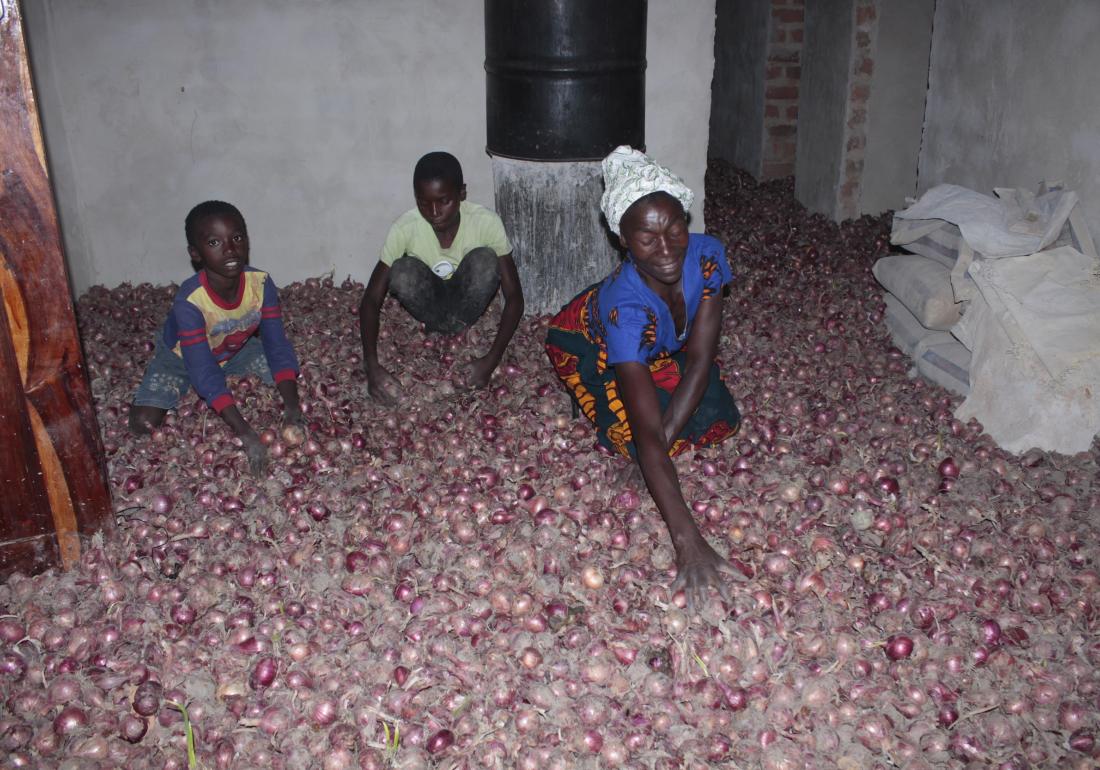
<point>200,332</point>
<point>284,375</point>
<point>221,402</point>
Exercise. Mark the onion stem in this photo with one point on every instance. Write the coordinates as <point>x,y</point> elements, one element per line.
<point>192,762</point>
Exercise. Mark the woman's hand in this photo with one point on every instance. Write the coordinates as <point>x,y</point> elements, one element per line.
<point>699,567</point>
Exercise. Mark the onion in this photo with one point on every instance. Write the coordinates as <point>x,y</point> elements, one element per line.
<point>440,741</point>
<point>899,647</point>
<point>263,673</point>
<point>147,697</point>
<point>592,577</point>
<point>70,720</point>
<point>132,728</point>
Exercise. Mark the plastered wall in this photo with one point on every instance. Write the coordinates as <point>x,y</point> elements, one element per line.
<point>1012,97</point>
<point>307,115</point>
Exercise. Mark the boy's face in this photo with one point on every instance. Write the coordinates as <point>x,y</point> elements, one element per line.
<point>438,201</point>
<point>221,245</point>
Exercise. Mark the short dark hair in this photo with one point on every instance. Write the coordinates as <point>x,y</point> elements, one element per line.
<point>208,209</point>
<point>438,165</point>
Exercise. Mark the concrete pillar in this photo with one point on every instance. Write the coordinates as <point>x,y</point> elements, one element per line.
<point>560,241</point>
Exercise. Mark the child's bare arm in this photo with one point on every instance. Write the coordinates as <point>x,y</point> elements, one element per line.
<point>382,385</point>
<point>292,408</point>
<point>256,451</point>
<point>510,287</point>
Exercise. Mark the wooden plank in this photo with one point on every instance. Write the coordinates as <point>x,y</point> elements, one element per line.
<point>44,378</point>
<point>27,541</point>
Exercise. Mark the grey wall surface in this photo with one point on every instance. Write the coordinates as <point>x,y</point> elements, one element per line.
<point>822,105</point>
<point>680,52</point>
<point>737,102</point>
<point>308,116</point>
<point>1012,97</point>
<point>895,111</point>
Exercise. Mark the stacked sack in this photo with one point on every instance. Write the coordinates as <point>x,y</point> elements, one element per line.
<point>998,300</point>
<point>921,305</point>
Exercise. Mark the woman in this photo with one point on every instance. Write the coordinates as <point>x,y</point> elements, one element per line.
<point>637,350</point>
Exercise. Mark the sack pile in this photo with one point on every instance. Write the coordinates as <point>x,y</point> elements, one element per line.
<point>998,300</point>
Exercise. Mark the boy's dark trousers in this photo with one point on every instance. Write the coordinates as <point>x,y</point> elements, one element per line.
<point>452,305</point>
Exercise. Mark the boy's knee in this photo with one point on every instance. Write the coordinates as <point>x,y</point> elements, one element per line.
<point>482,270</point>
<point>408,277</point>
<point>483,261</point>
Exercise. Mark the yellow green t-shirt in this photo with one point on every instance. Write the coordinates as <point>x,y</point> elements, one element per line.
<point>412,235</point>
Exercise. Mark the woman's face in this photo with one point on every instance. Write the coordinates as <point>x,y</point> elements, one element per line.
<point>655,231</point>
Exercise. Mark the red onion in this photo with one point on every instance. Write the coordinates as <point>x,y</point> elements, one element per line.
<point>132,728</point>
<point>440,741</point>
<point>263,673</point>
<point>899,647</point>
<point>70,720</point>
<point>948,468</point>
<point>324,712</point>
<point>990,632</point>
<point>1083,741</point>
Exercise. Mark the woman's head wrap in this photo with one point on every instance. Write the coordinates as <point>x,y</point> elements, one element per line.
<point>630,174</point>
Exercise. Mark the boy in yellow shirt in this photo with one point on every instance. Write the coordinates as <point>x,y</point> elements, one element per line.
<point>444,261</point>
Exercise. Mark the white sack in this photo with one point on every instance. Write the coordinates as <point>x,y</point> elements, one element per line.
<point>993,227</point>
<point>945,361</point>
<point>932,238</point>
<point>923,286</point>
<point>905,330</point>
<point>1034,332</point>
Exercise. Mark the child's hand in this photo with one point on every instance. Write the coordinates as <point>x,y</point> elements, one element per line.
<point>383,387</point>
<point>256,453</point>
<point>293,416</point>
<point>478,373</point>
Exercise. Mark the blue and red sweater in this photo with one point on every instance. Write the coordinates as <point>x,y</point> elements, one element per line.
<point>206,331</point>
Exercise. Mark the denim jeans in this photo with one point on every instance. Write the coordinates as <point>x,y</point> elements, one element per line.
<point>165,381</point>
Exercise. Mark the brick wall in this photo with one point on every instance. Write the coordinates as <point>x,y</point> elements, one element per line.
<point>781,78</point>
<point>859,91</point>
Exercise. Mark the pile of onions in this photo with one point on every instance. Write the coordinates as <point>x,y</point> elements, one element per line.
<point>461,584</point>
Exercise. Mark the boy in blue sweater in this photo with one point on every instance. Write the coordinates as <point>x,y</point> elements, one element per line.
<point>211,332</point>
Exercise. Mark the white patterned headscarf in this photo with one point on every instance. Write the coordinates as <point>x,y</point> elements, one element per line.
<point>630,174</point>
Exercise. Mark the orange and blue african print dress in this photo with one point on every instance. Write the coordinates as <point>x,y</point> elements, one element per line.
<point>621,319</point>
